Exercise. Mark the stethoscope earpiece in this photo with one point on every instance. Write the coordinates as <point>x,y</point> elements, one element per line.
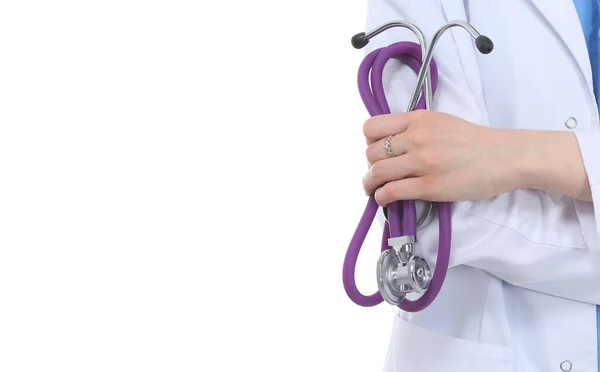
<point>484,44</point>
<point>360,40</point>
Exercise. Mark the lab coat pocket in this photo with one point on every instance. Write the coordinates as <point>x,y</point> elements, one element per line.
<point>413,348</point>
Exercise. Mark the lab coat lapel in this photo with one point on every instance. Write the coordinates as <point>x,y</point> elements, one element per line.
<point>562,17</point>
<point>455,10</point>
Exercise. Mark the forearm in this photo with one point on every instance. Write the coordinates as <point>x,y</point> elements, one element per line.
<point>550,161</point>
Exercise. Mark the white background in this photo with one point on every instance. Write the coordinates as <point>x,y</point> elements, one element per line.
<point>179,182</point>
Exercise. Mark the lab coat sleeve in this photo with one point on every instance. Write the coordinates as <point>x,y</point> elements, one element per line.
<point>589,146</point>
<point>529,238</point>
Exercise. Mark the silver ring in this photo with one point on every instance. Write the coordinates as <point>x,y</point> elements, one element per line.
<point>387,147</point>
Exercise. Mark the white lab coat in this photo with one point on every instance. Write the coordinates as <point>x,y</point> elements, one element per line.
<point>525,267</point>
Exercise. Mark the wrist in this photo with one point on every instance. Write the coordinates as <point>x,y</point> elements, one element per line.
<point>513,159</point>
<point>550,161</point>
<point>528,149</point>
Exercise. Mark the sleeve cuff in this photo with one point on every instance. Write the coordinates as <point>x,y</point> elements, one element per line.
<point>589,146</point>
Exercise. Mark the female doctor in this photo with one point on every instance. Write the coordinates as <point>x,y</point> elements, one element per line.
<point>514,141</point>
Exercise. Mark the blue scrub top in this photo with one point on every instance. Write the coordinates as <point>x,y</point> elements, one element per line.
<point>590,24</point>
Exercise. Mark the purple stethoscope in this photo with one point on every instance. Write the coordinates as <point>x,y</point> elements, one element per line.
<point>400,270</point>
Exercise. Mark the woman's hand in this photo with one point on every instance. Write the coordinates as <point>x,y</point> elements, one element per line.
<point>440,157</point>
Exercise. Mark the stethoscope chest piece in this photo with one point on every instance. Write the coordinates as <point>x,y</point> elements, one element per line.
<point>400,272</point>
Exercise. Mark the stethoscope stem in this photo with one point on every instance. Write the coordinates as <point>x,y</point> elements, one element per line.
<point>483,43</point>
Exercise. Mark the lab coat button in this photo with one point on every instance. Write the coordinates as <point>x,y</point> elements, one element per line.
<point>566,366</point>
<point>571,123</point>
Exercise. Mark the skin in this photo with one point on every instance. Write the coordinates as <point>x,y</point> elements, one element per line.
<point>443,158</point>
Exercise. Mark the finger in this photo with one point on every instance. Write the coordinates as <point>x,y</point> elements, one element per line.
<point>376,150</point>
<point>388,170</point>
<point>381,126</point>
<point>414,188</point>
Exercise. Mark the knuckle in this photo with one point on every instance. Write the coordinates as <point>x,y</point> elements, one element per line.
<point>422,191</point>
<point>370,153</point>
<point>427,189</point>
<point>426,192</point>
<point>381,196</point>
<point>377,171</point>
<point>367,127</point>
<point>420,116</point>
<point>417,136</point>
<point>425,160</point>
